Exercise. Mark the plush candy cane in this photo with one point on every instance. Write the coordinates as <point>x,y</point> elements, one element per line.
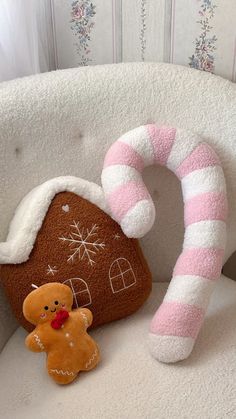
<point>177,322</point>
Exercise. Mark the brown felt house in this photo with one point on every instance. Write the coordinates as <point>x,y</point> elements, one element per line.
<point>63,234</point>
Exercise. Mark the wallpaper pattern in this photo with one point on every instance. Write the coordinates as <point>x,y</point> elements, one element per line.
<point>197,33</point>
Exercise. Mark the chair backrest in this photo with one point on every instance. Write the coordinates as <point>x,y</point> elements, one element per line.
<point>63,122</point>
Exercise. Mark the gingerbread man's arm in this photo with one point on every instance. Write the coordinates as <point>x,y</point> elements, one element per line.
<point>86,316</point>
<point>34,341</point>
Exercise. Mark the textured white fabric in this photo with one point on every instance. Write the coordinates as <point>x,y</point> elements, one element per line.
<point>190,289</point>
<point>179,348</point>
<point>128,383</point>
<point>144,210</point>
<point>210,179</point>
<point>40,140</point>
<point>205,234</point>
<point>185,142</point>
<point>140,141</point>
<point>117,173</point>
<point>62,123</point>
<point>31,212</point>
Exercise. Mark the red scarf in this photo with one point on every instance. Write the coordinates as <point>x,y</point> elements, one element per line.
<point>60,318</point>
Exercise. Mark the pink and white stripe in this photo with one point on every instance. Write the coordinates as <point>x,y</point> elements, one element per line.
<point>177,322</point>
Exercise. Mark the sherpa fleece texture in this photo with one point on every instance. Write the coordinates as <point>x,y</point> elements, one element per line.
<point>63,123</point>
<point>127,383</point>
<point>106,270</point>
<point>177,322</point>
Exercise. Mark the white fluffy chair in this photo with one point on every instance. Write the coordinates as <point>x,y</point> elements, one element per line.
<point>62,123</point>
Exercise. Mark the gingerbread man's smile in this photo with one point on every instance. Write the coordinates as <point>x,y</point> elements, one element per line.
<point>55,309</point>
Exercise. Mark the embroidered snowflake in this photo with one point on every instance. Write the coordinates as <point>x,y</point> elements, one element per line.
<point>83,243</point>
<point>51,270</point>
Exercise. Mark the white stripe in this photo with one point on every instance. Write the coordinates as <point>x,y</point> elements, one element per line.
<point>190,289</point>
<point>208,179</point>
<point>170,348</point>
<point>205,234</point>
<point>139,140</point>
<point>185,142</point>
<point>117,175</point>
<point>139,219</point>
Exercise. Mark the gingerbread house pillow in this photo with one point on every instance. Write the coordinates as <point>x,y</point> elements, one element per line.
<point>62,232</point>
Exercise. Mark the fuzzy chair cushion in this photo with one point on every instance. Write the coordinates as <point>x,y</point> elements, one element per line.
<point>128,384</point>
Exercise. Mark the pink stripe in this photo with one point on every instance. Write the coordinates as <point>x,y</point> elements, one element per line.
<point>202,156</point>
<point>203,262</point>
<point>121,153</point>
<point>206,206</point>
<point>123,198</point>
<point>177,319</point>
<point>162,140</point>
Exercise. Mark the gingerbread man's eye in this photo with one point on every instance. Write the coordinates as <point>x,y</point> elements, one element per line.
<point>46,308</point>
<point>56,303</point>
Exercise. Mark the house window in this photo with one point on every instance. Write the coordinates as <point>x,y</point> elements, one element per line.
<point>80,290</point>
<point>121,275</point>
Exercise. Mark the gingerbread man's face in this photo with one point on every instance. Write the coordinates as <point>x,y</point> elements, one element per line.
<point>43,303</point>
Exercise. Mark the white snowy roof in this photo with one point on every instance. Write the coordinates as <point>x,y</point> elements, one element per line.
<point>31,212</point>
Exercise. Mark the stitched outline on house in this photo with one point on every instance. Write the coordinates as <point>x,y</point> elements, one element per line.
<point>75,293</point>
<point>121,275</point>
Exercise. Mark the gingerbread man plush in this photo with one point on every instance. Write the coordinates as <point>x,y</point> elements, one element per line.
<point>60,332</point>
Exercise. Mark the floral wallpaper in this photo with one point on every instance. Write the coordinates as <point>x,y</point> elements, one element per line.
<point>205,44</point>
<point>200,34</point>
<point>82,23</point>
<point>143,28</point>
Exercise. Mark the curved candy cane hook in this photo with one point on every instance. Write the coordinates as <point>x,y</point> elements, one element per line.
<point>177,322</point>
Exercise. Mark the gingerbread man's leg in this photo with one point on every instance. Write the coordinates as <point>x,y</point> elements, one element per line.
<point>60,373</point>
